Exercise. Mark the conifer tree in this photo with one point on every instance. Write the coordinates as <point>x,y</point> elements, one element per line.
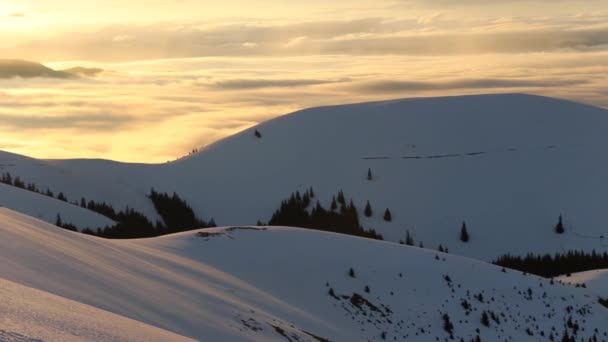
<point>559,227</point>
<point>341,198</point>
<point>368,210</point>
<point>62,197</point>
<point>334,205</point>
<point>464,234</point>
<point>257,134</point>
<point>351,273</point>
<point>409,239</point>
<point>369,175</point>
<point>485,320</point>
<point>388,217</point>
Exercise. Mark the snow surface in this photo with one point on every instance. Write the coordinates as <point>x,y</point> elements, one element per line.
<point>596,280</point>
<point>47,208</point>
<point>29,315</point>
<point>507,164</point>
<point>273,284</point>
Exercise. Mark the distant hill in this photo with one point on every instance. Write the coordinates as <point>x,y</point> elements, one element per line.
<point>508,165</point>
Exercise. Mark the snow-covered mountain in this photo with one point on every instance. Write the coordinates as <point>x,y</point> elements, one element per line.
<point>273,284</point>
<point>508,165</point>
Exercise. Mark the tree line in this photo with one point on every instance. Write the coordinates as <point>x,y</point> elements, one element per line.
<point>341,217</point>
<point>550,266</point>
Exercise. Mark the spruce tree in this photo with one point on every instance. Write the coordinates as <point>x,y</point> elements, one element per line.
<point>257,134</point>
<point>388,217</point>
<point>369,175</point>
<point>409,240</point>
<point>559,227</point>
<point>351,273</point>
<point>485,320</point>
<point>341,198</point>
<point>464,234</point>
<point>334,204</point>
<point>368,210</point>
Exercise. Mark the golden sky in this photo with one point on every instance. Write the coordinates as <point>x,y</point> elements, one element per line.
<point>179,74</point>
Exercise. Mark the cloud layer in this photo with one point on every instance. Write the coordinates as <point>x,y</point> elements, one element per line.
<point>182,74</point>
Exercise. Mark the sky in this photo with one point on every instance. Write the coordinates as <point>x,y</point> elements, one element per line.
<point>181,74</point>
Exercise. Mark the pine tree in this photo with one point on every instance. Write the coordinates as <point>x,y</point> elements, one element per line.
<point>368,210</point>
<point>334,205</point>
<point>447,324</point>
<point>464,234</point>
<point>485,320</point>
<point>62,197</point>
<point>409,240</point>
<point>341,198</point>
<point>257,134</point>
<point>351,273</point>
<point>369,175</point>
<point>58,221</point>
<point>559,227</point>
<point>388,217</point>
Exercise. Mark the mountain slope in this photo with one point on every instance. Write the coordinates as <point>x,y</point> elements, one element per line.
<point>508,165</point>
<point>47,208</point>
<point>30,315</point>
<point>596,281</point>
<point>285,284</point>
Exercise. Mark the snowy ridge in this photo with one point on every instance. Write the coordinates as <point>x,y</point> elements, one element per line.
<point>286,284</point>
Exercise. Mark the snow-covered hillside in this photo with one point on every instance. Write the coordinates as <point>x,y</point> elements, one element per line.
<point>508,165</point>
<point>47,208</point>
<point>596,281</point>
<point>29,315</point>
<point>285,284</point>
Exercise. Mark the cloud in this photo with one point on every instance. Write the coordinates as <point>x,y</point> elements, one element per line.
<point>154,111</point>
<point>243,84</point>
<point>361,37</point>
<point>84,121</point>
<point>123,38</point>
<point>25,69</point>
<point>391,86</point>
